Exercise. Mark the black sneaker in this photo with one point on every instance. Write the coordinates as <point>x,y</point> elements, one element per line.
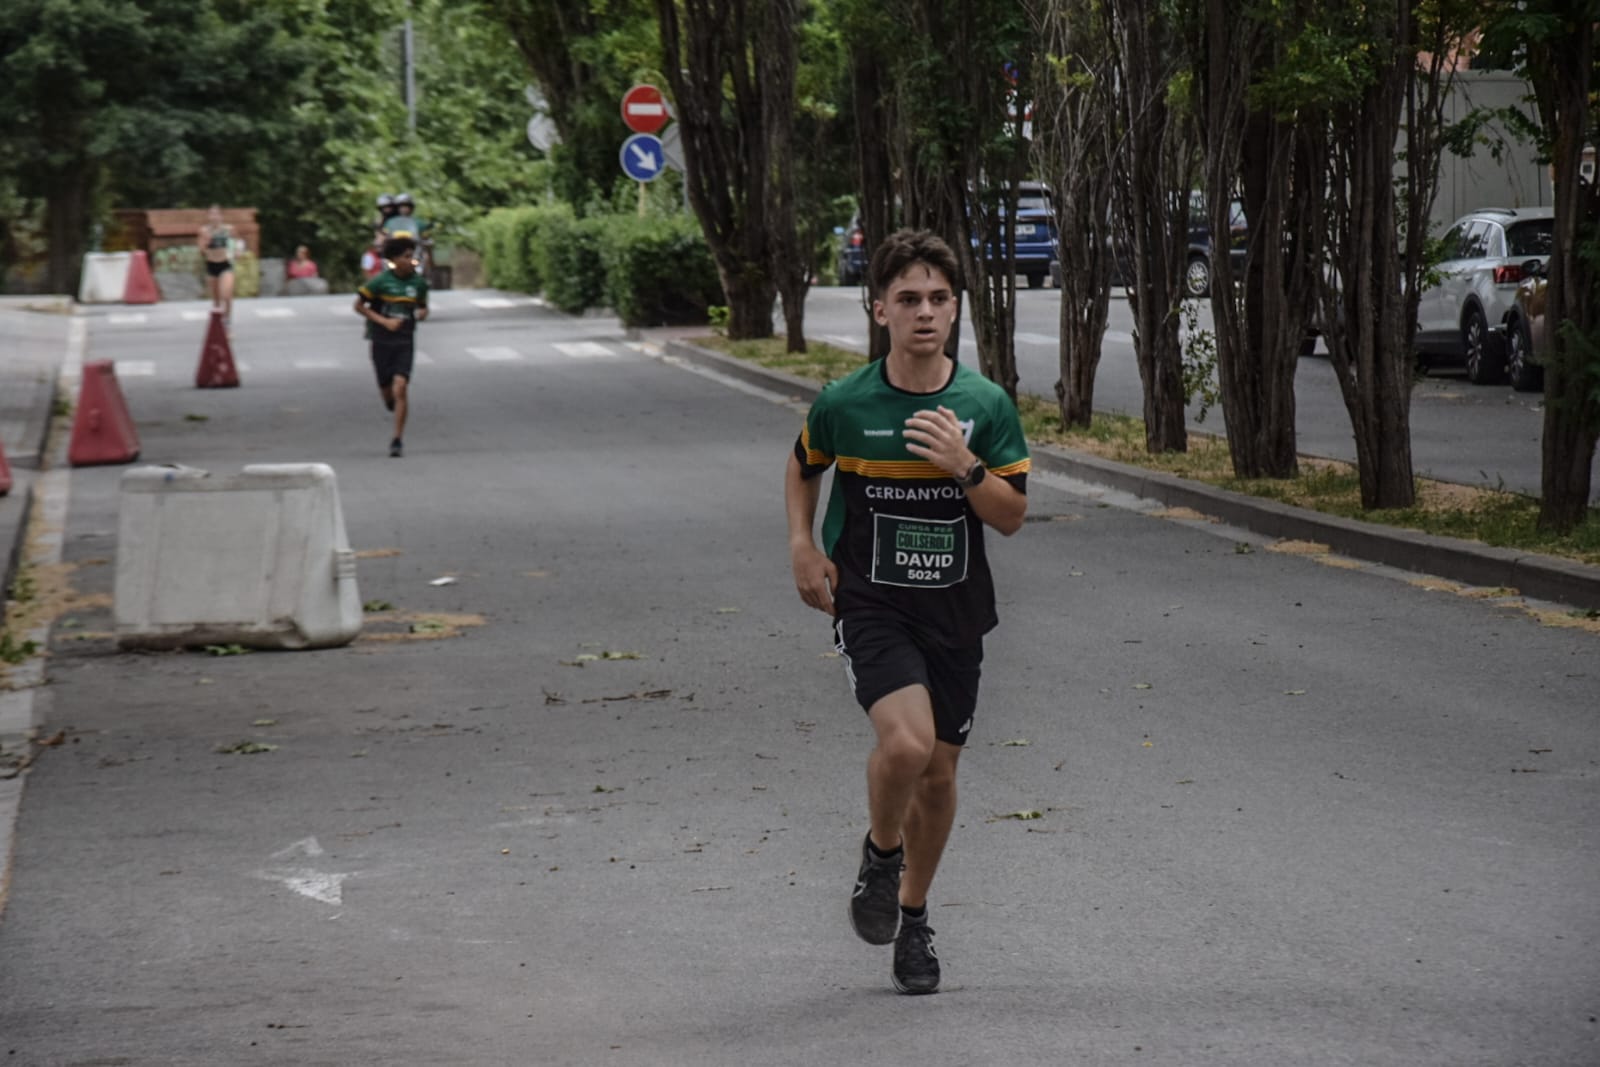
<point>396,449</point>
<point>875,904</point>
<point>916,965</point>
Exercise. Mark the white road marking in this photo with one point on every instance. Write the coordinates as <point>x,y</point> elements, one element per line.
<point>491,303</point>
<point>135,368</point>
<point>843,341</point>
<point>195,316</point>
<point>1037,339</point>
<point>127,318</point>
<point>495,355</point>
<point>422,358</point>
<point>274,313</point>
<point>317,364</point>
<point>326,887</point>
<point>306,846</point>
<point>584,350</point>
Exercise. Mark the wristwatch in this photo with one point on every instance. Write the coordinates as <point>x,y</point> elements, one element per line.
<point>974,475</point>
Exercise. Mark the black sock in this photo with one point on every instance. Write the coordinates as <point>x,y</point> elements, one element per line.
<point>879,853</point>
<point>915,915</point>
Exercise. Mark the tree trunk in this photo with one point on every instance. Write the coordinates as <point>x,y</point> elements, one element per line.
<point>1572,301</point>
<point>790,260</point>
<point>874,171</point>
<point>66,215</point>
<point>1153,169</point>
<point>707,49</point>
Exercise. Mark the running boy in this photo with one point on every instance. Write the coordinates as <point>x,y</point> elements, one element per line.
<point>928,452</point>
<point>393,303</point>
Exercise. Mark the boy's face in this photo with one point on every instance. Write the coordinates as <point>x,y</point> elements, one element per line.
<point>919,308</point>
<point>403,264</point>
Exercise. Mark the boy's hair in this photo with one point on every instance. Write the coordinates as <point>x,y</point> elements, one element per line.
<point>398,246</point>
<point>903,248</point>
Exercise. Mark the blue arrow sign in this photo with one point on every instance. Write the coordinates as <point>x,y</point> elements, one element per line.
<point>642,158</point>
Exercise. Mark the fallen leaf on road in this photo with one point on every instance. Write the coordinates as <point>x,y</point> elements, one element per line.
<point>444,580</point>
<point>265,722</point>
<point>1143,685</point>
<point>427,626</point>
<point>1024,815</point>
<point>227,650</point>
<point>246,748</point>
<point>551,697</point>
<point>727,611</point>
<point>377,605</point>
<point>1016,743</point>
<point>1294,692</point>
<point>608,654</point>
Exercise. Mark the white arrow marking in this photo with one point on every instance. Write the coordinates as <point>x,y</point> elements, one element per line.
<point>323,886</point>
<point>647,161</point>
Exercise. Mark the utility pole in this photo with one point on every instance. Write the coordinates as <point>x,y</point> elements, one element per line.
<point>408,60</point>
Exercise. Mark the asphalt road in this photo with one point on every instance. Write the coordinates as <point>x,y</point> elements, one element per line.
<point>1460,432</point>
<point>1292,810</point>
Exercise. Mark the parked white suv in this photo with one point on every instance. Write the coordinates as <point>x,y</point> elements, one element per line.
<point>1463,318</point>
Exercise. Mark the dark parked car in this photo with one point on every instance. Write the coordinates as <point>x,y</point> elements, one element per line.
<point>1527,332</point>
<point>1035,230</point>
<point>1197,269</point>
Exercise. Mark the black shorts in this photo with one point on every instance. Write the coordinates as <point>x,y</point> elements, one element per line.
<point>217,270</point>
<point>392,360</point>
<point>882,655</point>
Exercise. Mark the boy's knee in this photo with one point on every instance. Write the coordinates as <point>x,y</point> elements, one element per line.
<point>400,387</point>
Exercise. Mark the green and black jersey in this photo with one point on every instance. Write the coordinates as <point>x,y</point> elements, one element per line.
<point>900,529</point>
<point>395,297</point>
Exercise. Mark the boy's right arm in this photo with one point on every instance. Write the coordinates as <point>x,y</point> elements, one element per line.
<point>815,575</point>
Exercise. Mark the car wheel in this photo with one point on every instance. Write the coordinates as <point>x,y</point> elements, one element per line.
<point>1197,278</point>
<point>1525,377</point>
<point>1483,367</point>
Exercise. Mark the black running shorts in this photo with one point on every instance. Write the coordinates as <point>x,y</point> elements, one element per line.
<point>883,655</point>
<point>392,360</point>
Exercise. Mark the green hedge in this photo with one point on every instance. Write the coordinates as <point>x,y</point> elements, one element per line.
<point>651,271</point>
<point>658,270</point>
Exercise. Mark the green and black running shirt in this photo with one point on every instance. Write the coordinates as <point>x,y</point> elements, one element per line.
<point>900,530</point>
<point>397,298</point>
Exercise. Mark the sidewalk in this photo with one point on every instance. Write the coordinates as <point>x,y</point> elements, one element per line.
<point>33,340</point>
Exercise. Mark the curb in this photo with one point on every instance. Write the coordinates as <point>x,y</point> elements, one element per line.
<point>1542,577</point>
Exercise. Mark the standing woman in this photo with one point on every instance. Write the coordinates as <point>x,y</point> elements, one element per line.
<point>216,241</point>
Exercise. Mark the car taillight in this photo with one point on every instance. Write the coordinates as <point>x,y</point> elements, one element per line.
<point>1507,275</point>
<point>856,238</point>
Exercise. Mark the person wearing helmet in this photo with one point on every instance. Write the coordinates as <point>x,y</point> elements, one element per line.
<point>404,222</point>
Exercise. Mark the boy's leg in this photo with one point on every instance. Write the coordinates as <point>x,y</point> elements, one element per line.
<point>903,721</point>
<point>927,823</point>
<point>399,390</point>
<point>225,284</point>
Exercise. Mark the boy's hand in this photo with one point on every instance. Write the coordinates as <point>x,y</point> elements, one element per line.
<point>815,577</point>
<point>937,437</point>
<point>422,314</point>
<point>393,323</point>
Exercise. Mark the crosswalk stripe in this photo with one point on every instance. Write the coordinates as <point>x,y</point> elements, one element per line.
<point>135,368</point>
<point>127,318</point>
<point>274,313</point>
<point>584,350</point>
<point>497,354</point>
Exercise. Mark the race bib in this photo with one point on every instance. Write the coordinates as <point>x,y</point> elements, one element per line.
<point>920,553</point>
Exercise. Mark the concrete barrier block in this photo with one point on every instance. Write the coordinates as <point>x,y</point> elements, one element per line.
<point>258,559</point>
<point>104,278</point>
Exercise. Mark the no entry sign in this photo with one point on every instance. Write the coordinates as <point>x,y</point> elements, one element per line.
<point>643,109</point>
